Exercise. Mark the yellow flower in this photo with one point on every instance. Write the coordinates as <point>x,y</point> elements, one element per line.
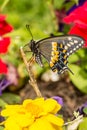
<point>38,114</point>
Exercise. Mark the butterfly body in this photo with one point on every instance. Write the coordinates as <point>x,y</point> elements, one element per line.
<point>56,50</point>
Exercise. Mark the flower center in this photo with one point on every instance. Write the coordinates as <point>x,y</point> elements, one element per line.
<point>34,109</point>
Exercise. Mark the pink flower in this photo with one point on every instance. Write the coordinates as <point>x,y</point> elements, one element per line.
<point>78,19</point>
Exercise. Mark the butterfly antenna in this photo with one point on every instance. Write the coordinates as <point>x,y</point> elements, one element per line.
<point>28,28</point>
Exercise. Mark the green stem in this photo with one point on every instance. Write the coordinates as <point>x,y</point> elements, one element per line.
<point>4,4</point>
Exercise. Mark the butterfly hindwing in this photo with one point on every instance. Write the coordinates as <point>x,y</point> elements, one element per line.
<point>58,60</point>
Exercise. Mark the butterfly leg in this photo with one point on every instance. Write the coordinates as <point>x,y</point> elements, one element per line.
<point>38,59</point>
<point>31,60</point>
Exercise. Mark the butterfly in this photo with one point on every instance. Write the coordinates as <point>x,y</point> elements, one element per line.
<point>56,51</point>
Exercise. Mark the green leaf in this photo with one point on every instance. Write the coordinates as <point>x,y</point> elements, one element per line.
<point>58,3</point>
<point>76,1</point>
<point>10,98</point>
<point>79,78</point>
<point>85,110</point>
<point>80,54</point>
<point>83,124</point>
<point>73,58</point>
<point>2,103</point>
<point>1,128</point>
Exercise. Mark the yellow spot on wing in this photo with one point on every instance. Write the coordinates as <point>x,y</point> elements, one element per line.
<point>61,45</point>
<point>54,48</point>
<point>65,56</point>
<point>54,53</point>
<point>55,70</point>
<point>54,43</point>
<point>55,57</point>
<point>51,64</point>
<point>64,51</point>
<point>65,62</point>
<point>52,60</point>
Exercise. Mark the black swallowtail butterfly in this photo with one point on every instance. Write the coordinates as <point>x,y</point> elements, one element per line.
<point>56,50</point>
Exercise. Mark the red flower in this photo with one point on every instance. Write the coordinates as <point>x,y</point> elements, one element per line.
<point>3,67</point>
<point>4,41</point>
<point>79,20</point>
<point>4,26</point>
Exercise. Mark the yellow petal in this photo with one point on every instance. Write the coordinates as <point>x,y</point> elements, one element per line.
<point>10,124</point>
<point>54,120</point>
<point>27,101</point>
<point>24,120</point>
<point>41,124</point>
<point>37,101</point>
<point>12,110</point>
<point>51,106</point>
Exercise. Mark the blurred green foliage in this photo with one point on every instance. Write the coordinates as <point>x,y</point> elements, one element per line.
<point>78,63</point>
<point>83,124</point>
<point>1,128</point>
<point>14,99</point>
